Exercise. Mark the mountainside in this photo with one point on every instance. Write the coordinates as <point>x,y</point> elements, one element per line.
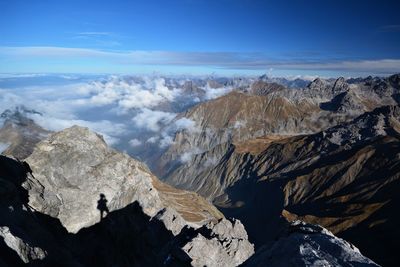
<point>18,133</point>
<point>56,218</point>
<point>269,109</point>
<point>344,178</point>
<point>302,244</point>
<point>76,180</point>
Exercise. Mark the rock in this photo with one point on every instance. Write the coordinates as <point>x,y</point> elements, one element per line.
<point>18,133</point>
<point>73,167</point>
<point>147,223</point>
<point>309,245</point>
<point>225,245</point>
<point>26,252</point>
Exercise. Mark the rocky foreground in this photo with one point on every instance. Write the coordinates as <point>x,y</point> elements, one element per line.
<point>52,216</point>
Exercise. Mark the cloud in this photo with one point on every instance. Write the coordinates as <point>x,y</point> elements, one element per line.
<point>390,28</point>
<point>129,95</point>
<point>152,120</point>
<point>188,155</point>
<point>219,60</point>
<point>165,141</point>
<point>186,124</point>
<point>135,142</point>
<point>212,93</point>
<point>95,33</point>
<point>152,140</point>
<point>109,130</point>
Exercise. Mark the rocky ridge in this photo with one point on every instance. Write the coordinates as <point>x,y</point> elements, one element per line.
<point>18,133</point>
<point>70,170</point>
<point>343,178</point>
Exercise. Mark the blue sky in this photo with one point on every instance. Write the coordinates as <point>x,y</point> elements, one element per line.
<point>327,38</point>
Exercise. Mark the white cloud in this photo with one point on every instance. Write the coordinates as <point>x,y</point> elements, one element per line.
<point>129,95</point>
<point>152,140</point>
<point>212,93</point>
<point>188,155</point>
<point>187,124</point>
<point>152,119</point>
<point>221,60</point>
<point>135,142</point>
<point>108,129</point>
<point>166,141</point>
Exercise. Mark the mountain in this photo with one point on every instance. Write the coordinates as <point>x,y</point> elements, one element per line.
<point>18,133</point>
<point>266,109</point>
<point>344,178</point>
<point>55,218</point>
<point>302,244</point>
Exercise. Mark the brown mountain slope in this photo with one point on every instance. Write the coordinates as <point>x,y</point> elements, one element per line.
<point>19,133</point>
<point>345,178</point>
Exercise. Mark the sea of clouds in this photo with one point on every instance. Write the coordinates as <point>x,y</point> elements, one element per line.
<point>130,112</point>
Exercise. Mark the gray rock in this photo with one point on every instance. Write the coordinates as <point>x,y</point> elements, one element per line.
<point>73,167</point>
<point>25,251</point>
<point>227,245</point>
<point>309,245</point>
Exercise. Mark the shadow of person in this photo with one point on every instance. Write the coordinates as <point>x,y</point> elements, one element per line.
<point>25,166</point>
<point>102,206</point>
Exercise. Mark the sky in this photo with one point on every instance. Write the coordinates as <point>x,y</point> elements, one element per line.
<point>227,37</point>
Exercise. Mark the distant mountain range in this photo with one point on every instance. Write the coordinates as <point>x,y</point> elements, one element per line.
<point>281,155</point>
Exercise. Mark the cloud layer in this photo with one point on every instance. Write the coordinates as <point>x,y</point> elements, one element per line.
<point>216,60</point>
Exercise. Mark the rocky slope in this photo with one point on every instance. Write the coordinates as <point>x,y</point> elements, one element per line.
<point>302,244</point>
<point>269,109</point>
<point>344,178</point>
<point>18,133</point>
<point>60,223</point>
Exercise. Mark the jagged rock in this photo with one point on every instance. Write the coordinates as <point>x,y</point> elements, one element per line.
<point>263,88</point>
<point>25,251</point>
<point>18,133</point>
<point>225,245</point>
<point>323,178</point>
<point>73,167</point>
<point>305,244</point>
<point>140,206</point>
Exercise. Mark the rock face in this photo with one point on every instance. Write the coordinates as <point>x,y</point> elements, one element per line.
<point>18,133</point>
<point>303,244</point>
<point>229,234</point>
<point>73,167</point>
<point>267,109</point>
<point>343,178</point>
<point>149,223</point>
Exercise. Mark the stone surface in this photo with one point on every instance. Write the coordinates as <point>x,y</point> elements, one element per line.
<point>149,223</point>
<point>25,251</point>
<point>305,244</point>
<point>73,167</point>
<point>226,245</point>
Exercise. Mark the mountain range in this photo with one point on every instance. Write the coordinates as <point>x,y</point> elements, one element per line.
<point>303,167</point>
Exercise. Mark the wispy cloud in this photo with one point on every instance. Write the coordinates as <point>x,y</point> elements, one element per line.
<point>390,28</point>
<point>221,60</point>
<point>95,33</point>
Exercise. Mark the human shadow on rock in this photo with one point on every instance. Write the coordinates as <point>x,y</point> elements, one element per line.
<point>126,237</point>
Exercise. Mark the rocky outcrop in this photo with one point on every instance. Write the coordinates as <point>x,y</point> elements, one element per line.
<point>302,244</point>
<point>343,178</point>
<point>18,133</point>
<point>223,247</point>
<point>267,109</point>
<point>63,223</point>
<point>73,167</point>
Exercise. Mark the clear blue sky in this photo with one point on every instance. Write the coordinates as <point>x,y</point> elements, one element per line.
<point>201,36</point>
